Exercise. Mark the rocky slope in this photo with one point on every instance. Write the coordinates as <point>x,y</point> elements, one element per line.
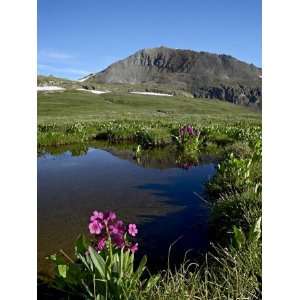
<point>201,73</point>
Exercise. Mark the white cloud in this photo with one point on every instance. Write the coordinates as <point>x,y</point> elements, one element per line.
<point>55,55</point>
<point>58,63</point>
<point>65,70</point>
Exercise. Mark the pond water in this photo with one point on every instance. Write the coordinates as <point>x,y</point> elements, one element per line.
<point>152,191</point>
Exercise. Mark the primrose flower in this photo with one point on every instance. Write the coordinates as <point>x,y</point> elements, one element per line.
<point>134,248</point>
<point>132,230</point>
<point>109,216</point>
<point>96,216</point>
<point>118,240</point>
<point>95,227</point>
<point>190,129</point>
<point>117,228</point>
<point>101,244</point>
<point>120,224</point>
<point>109,231</point>
<point>113,229</point>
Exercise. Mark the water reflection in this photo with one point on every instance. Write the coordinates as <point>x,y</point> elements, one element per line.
<point>153,192</point>
<point>158,157</point>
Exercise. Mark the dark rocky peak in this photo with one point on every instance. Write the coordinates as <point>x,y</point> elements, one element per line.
<point>202,73</point>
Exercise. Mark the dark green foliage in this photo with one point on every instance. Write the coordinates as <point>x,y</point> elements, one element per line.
<point>240,209</point>
<point>102,275</point>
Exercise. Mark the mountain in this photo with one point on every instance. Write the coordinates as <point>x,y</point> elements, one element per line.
<point>202,74</point>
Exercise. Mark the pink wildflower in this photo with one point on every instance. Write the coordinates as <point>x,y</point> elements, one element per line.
<point>113,229</point>
<point>109,216</point>
<point>190,129</point>
<point>101,244</point>
<point>134,248</point>
<point>96,216</point>
<point>117,228</point>
<point>95,227</point>
<point>118,240</point>
<point>132,229</point>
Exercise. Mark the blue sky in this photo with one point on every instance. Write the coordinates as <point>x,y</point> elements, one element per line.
<point>77,37</point>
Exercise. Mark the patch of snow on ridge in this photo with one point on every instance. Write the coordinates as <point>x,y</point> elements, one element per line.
<point>85,78</point>
<point>50,88</point>
<point>151,94</point>
<point>94,91</point>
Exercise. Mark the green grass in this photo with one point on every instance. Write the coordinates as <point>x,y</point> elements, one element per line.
<point>226,272</point>
<point>121,116</point>
<point>224,275</point>
<point>70,106</point>
<point>232,270</point>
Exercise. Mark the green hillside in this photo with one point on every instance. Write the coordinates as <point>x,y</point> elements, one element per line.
<point>71,105</point>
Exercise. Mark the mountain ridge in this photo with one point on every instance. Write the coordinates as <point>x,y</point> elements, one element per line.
<point>203,74</point>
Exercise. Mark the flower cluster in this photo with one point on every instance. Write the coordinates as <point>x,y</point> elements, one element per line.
<point>188,139</point>
<point>187,131</point>
<point>108,229</point>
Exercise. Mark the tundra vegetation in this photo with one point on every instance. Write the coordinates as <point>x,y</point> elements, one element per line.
<point>103,265</point>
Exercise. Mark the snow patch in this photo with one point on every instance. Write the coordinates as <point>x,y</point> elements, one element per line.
<point>85,78</point>
<point>50,88</point>
<point>151,94</point>
<point>94,91</point>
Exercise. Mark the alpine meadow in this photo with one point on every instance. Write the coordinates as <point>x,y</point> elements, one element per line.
<point>149,167</point>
